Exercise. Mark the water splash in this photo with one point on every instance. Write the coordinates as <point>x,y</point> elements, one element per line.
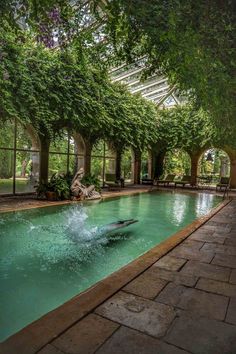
<point>76,227</point>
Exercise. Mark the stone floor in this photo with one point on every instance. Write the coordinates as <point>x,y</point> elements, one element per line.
<point>184,303</point>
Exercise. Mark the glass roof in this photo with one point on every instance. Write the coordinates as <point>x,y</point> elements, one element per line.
<point>155,88</point>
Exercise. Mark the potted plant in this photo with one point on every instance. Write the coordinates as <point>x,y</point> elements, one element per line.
<point>58,188</point>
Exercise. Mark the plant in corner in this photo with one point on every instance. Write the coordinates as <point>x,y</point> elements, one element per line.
<point>58,188</point>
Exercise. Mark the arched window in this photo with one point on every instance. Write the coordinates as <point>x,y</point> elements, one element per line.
<point>19,158</point>
<point>66,153</point>
<point>127,165</point>
<point>102,161</point>
<point>177,162</point>
<point>214,164</point>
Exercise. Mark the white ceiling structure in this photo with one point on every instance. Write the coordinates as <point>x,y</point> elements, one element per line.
<point>155,88</point>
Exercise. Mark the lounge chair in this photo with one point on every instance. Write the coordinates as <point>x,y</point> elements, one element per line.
<point>112,183</point>
<point>146,180</point>
<point>224,184</point>
<point>166,181</point>
<point>184,180</point>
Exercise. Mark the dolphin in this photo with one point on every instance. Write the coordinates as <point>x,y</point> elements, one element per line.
<point>117,225</point>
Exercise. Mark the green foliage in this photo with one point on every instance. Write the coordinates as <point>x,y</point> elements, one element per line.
<point>59,183</point>
<point>192,42</point>
<point>185,128</point>
<point>63,88</point>
<point>89,180</point>
<point>177,162</point>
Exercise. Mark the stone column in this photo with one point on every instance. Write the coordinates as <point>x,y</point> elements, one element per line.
<point>137,166</point>
<point>118,164</point>
<point>233,172</point>
<point>150,164</point>
<point>194,167</point>
<point>87,157</point>
<point>157,163</point>
<point>44,159</point>
<point>232,155</point>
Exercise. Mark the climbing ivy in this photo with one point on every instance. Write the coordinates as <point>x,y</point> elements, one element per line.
<point>192,42</point>
<point>184,127</point>
<point>54,89</point>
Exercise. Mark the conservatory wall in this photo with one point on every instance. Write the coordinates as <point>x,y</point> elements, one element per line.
<point>19,158</point>
<point>103,162</point>
<point>66,153</point>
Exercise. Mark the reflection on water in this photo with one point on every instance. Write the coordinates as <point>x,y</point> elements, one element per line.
<point>48,255</point>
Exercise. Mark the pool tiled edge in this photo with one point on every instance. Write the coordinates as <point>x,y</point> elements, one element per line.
<point>35,203</point>
<point>35,336</point>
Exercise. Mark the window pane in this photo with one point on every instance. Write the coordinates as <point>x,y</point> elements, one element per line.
<point>73,149</point>
<point>6,171</point>
<point>26,138</point>
<point>7,135</point>
<point>127,166</point>
<point>98,149</point>
<point>57,164</point>
<point>75,163</point>
<point>27,171</point>
<point>109,151</point>
<point>97,167</point>
<point>110,166</point>
<point>60,144</point>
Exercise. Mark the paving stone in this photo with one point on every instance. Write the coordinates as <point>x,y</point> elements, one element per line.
<point>129,341</point>
<point>175,277</point>
<point>203,230</point>
<point>212,247</point>
<point>217,287</point>
<point>224,260</point>
<point>230,241</point>
<point>207,227</point>
<point>219,224</point>
<point>50,349</point>
<point>222,219</point>
<point>85,336</point>
<point>147,285</point>
<point>196,301</point>
<point>231,313</point>
<point>233,276</point>
<point>217,227</point>
<point>193,244</point>
<point>170,263</point>
<point>232,234</point>
<point>215,238</point>
<point>206,270</point>
<point>171,295</point>
<point>201,335</point>
<point>144,315</point>
<point>188,253</point>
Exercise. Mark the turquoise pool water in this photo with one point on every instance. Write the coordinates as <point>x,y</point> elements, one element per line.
<point>48,255</point>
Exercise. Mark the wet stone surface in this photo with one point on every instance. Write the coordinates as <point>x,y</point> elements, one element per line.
<point>200,335</point>
<point>138,313</point>
<point>147,285</point>
<point>195,301</point>
<point>129,341</point>
<point>206,270</point>
<point>170,263</point>
<point>80,338</point>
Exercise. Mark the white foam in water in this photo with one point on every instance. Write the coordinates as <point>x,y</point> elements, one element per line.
<point>76,226</point>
